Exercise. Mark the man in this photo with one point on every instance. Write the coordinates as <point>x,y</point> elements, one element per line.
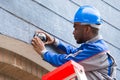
<point>93,54</point>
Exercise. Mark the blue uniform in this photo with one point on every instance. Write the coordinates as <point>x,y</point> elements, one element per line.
<point>93,55</point>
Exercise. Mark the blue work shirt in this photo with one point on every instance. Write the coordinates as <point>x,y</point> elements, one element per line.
<point>85,51</point>
<point>93,55</point>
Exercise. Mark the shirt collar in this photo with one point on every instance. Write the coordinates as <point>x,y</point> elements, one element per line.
<point>95,39</point>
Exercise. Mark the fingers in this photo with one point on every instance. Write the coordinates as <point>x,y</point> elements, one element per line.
<point>46,43</point>
<point>40,31</point>
<point>38,45</point>
<point>50,39</point>
<point>36,42</point>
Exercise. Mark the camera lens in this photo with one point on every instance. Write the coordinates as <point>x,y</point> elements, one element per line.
<point>41,36</point>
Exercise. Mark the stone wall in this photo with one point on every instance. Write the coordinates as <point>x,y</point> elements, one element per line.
<point>19,19</point>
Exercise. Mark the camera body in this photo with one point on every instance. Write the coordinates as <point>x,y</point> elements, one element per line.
<point>42,36</point>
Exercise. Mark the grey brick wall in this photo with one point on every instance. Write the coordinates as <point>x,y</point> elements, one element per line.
<point>20,18</point>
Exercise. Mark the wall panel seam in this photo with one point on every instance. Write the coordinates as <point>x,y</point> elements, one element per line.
<point>111,5</point>
<point>51,10</point>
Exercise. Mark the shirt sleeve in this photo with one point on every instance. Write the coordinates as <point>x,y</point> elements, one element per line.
<point>64,47</point>
<point>80,55</point>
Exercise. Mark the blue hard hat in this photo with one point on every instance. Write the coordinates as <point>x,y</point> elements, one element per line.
<point>88,14</point>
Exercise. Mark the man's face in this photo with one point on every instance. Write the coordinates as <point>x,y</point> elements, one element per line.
<point>79,32</point>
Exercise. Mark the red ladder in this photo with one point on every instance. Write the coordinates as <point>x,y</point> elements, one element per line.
<point>68,71</point>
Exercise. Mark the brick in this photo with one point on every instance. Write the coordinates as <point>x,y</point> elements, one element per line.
<point>1,55</point>
<point>34,69</point>
<point>28,66</point>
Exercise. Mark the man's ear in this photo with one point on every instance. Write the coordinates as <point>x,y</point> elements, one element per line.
<point>88,29</point>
